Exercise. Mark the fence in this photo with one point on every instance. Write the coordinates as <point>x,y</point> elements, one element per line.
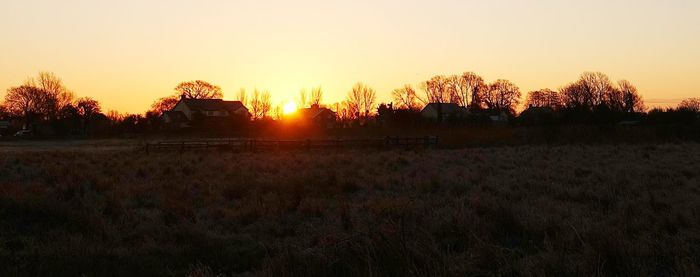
<point>251,144</point>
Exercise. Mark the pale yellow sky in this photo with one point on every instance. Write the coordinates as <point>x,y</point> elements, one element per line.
<point>128,53</point>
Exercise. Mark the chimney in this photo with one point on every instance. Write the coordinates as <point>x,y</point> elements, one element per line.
<point>314,106</point>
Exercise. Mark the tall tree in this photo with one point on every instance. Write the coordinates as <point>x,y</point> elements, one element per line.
<point>87,108</point>
<point>632,101</point>
<point>369,100</point>
<point>458,90</point>
<point>242,97</point>
<point>406,98</point>
<point>597,88</point>
<point>361,100</point>
<point>476,88</point>
<point>316,95</point>
<point>543,98</point>
<point>265,104</point>
<point>303,100</point>
<point>198,90</point>
<point>502,95</point>
<point>53,86</point>
<point>436,89</point>
<point>164,104</point>
<point>27,101</point>
<point>256,104</point>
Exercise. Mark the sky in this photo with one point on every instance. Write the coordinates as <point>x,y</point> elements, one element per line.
<point>128,53</point>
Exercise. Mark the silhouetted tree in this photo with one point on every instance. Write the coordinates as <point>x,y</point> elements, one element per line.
<point>29,102</point>
<point>476,88</point>
<point>406,98</point>
<point>303,98</point>
<point>543,98</point>
<point>369,99</point>
<point>632,101</point>
<point>88,109</point>
<point>360,101</point>
<point>502,95</point>
<point>316,96</point>
<point>198,90</point>
<point>597,87</point>
<point>690,104</point>
<point>57,95</point>
<point>165,104</point>
<point>436,89</point>
<point>242,97</point>
<point>265,104</point>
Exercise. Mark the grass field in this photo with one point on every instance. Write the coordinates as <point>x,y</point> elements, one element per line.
<point>534,211</point>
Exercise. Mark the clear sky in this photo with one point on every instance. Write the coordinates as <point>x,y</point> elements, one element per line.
<point>126,53</point>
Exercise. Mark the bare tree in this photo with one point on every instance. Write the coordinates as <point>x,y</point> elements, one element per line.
<point>502,95</point>
<point>256,104</point>
<point>354,102</point>
<point>369,100</point>
<point>632,101</point>
<point>56,95</point>
<point>27,101</point>
<point>406,98</point>
<point>574,95</point>
<point>265,104</point>
<point>303,98</point>
<point>316,95</point>
<point>87,109</point>
<point>597,87</point>
<point>242,97</point>
<point>543,98</point>
<point>436,90</point>
<point>164,104</point>
<point>198,90</point>
<point>690,104</point>
<point>476,88</point>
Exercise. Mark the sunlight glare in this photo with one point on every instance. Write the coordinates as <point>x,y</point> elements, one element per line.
<point>289,108</point>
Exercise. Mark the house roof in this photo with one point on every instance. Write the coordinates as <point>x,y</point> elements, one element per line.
<point>213,104</point>
<point>447,108</point>
<point>314,112</point>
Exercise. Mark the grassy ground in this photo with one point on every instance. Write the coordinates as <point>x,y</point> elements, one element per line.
<point>531,211</point>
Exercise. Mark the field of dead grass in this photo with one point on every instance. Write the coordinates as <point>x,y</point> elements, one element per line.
<point>532,211</point>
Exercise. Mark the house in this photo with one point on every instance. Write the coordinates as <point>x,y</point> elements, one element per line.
<point>188,110</point>
<point>537,116</point>
<point>318,116</point>
<point>439,111</point>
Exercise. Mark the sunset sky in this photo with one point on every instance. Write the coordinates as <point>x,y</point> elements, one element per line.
<point>127,53</point>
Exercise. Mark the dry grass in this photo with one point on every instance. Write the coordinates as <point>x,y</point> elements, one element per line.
<point>531,211</point>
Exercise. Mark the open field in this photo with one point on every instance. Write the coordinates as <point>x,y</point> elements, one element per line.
<point>531,210</point>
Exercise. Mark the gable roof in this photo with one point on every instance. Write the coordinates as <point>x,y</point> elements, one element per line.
<point>447,108</point>
<point>315,111</point>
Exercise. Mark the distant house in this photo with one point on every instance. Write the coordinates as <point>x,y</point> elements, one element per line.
<point>537,115</point>
<point>187,110</point>
<point>437,111</point>
<point>317,115</point>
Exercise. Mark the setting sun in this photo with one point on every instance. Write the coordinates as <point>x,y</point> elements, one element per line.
<point>289,108</point>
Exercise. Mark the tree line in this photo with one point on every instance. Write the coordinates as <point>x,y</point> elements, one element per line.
<point>44,102</point>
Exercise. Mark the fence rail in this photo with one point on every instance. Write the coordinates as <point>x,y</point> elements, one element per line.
<point>246,144</point>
